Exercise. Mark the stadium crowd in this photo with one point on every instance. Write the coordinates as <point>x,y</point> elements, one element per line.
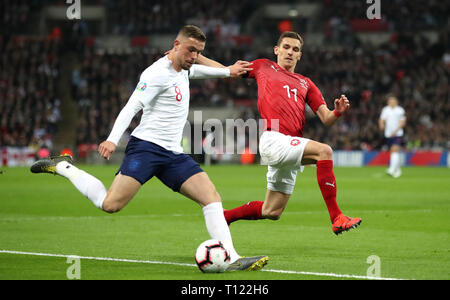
<point>167,16</point>
<point>403,15</point>
<point>409,66</point>
<point>29,105</point>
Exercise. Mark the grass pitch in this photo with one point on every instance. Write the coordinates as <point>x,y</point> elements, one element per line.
<point>43,219</point>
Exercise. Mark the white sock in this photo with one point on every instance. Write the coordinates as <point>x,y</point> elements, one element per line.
<point>395,161</point>
<point>88,185</point>
<point>218,228</point>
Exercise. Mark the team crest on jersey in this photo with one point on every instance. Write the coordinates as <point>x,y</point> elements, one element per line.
<point>295,142</point>
<point>304,83</point>
<point>141,86</point>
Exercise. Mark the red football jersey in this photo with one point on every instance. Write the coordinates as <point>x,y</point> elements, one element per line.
<point>282,96</point>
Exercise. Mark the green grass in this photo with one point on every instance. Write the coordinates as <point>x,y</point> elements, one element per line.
<point>405,223</point>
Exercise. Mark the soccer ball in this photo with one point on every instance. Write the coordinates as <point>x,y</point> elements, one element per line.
<point>212,257</point>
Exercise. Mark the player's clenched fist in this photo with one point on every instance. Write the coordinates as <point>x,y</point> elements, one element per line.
<point>106,149</point>
<point>240,68</point>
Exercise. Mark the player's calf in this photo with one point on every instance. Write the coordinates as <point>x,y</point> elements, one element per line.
<point>275,203</point>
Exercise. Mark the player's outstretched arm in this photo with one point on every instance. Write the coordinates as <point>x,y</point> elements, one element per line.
<point>329,117</point>
<point>198,71</point>
<point>203,60</point>
<point>239,68</point>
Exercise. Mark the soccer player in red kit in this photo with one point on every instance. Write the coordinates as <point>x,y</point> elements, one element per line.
<point>282,99</point>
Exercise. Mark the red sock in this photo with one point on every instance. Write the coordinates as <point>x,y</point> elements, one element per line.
<point>249,211</point>
<point>327,184</point>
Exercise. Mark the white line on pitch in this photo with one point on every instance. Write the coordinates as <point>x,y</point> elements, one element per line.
<point>191,265</point>
<point>98,258</point>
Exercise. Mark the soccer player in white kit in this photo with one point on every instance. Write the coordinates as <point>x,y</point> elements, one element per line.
<point>155,148</point>
<point>392,121</point>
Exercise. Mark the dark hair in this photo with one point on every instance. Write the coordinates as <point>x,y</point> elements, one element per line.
<point>292,35</point>
<point>192,31</point>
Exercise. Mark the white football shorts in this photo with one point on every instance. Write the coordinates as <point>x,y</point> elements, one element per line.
<point>283,155</point>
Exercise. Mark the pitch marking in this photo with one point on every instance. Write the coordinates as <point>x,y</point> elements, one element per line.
<point>192,265</point>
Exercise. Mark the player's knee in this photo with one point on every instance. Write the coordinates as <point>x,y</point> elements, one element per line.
<point>214,196</point>
<point>210,197</point>
<point>325,152</point>
<point>272,214</point>
<point>111,207</point>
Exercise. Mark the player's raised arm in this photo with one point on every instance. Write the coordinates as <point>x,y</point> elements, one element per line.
<point>203,72</point>
<point>203,60</point>
<point>240,68</point>
<point>236,70</point>
<point>329,117</point>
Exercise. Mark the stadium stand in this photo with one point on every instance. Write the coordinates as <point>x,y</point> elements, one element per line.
<point>29,105</point>
<point>412,62</point>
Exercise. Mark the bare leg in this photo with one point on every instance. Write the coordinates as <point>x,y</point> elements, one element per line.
<point>274,204</point>
<point>122,190</point>
<point>200,189</point>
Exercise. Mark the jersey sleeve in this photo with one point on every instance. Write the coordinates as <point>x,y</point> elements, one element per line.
<point>403,114</point>
<point>383,114</point>
<point>204,72</point>
<point>150,86</point>
<point>124,118</point>
<point>314,97</point>
<point>256,65</point>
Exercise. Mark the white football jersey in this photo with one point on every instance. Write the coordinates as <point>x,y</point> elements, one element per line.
<point>163,95</point>
<point>392,117</point>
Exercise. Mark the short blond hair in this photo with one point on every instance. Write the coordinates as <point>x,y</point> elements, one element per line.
<point>192,31</point>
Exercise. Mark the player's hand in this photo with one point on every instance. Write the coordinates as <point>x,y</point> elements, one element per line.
<point>342,104</point>
<point>240,68</point>
<point>106,149</point>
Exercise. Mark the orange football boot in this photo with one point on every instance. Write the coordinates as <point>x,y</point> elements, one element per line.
<point>343,223</point>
